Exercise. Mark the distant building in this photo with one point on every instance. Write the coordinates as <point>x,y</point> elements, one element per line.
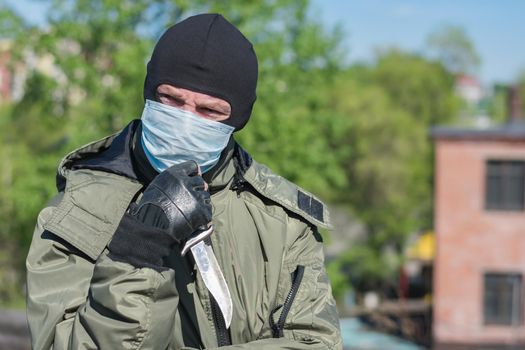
<point>469,89</point>
<point>479,267</point>
<point>476,101</point>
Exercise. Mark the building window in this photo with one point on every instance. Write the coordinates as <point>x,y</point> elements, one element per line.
<point>503,299</point>
<point>505,185</point>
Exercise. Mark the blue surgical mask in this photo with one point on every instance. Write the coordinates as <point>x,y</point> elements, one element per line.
<point>171,135</point>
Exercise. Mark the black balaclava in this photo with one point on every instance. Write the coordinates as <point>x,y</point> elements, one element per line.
<point>207,54</point>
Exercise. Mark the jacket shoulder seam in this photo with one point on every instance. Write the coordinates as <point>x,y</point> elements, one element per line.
<point>288,195</point>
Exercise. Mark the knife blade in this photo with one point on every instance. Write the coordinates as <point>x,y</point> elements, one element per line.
<point>211,272</point>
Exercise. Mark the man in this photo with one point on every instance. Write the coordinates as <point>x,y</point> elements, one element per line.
<point>106,268</point>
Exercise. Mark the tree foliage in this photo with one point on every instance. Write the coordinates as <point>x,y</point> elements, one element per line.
<point>454,49</point>
<point>383,112</point>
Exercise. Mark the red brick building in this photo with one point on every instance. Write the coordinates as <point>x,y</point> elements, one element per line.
<point>479,271</point>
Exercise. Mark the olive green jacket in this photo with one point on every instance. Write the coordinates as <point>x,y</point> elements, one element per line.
<point>78,298</point>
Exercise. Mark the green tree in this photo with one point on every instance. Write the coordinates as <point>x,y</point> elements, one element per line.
<point>385,156</point>
<point>383,113</point>
<point>11,25</point>
<point>452,46</point>
<point>419,86</point>
<point>498,103</point>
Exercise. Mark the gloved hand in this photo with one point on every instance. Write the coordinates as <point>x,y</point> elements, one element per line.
<point>176,201</point>
<point>172,208</point>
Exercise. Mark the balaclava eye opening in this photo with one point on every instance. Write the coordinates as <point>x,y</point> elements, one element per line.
<point>207,54</point>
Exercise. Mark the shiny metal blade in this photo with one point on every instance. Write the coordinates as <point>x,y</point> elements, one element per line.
<point>213,278</point>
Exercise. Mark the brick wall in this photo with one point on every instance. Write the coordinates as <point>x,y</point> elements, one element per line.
<point>471,240</point>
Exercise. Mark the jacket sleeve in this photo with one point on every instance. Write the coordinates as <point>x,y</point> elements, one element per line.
<point>74,302</point>
<point>312,322</point>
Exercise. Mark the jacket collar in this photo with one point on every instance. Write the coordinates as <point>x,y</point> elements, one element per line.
<point>223,172</point>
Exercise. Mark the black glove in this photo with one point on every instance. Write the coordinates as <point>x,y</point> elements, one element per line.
<point>173,206</point>
<point>176,201</point>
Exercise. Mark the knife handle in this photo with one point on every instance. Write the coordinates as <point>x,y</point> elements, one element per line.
<point>198,236</point>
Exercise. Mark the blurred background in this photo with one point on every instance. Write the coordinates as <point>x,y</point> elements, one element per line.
<point>404,116</point>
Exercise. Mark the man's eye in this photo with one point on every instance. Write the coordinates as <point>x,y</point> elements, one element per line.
<point>210,111</point>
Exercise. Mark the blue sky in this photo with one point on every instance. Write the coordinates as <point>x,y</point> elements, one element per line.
<point>497,27</point>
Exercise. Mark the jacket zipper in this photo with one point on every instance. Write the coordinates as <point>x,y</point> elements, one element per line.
<point>238,185</point>
<point>223,335</point>
<point>278,328</point>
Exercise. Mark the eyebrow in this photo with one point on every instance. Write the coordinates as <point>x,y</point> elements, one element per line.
<point>170,92</point>
<point>204,101</point>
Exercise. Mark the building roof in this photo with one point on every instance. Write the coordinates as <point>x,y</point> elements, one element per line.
<point>510,131</point>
